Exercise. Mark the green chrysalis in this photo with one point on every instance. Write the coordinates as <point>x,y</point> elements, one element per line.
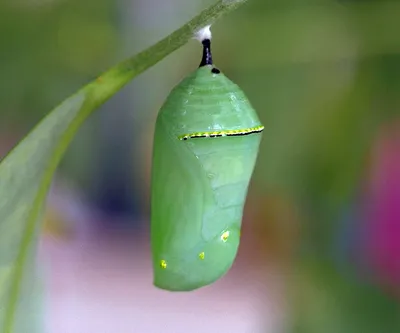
<point>206,143</point>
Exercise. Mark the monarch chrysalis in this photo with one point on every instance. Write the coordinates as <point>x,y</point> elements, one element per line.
<point>206,143</point>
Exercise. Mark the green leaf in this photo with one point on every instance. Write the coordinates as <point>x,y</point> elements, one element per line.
<point>26,172</point>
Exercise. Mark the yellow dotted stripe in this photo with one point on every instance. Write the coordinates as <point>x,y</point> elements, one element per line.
<point>215,134</point>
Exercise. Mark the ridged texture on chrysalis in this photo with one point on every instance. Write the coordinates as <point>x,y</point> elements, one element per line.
<point>205,146</point>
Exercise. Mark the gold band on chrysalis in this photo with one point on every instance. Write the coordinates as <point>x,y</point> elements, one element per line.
<point>215,134</point>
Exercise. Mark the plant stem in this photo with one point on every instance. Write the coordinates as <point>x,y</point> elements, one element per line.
<point>137,64</point>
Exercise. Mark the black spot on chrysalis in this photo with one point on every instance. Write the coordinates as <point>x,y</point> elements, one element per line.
<point>215,71</point>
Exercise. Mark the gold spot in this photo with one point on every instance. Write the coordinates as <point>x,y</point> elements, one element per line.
<point>224,236</point>
<point>201,255</point>
<point>163,264</point>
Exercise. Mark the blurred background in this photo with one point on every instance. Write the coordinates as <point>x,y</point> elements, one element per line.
<point>320,250</point>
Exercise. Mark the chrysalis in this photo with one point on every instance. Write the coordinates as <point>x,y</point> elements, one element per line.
<point>206,143</point>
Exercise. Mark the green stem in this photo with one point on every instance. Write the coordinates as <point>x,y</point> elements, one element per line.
<point>137,64</point>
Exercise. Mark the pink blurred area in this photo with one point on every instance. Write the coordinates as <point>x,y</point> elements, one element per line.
<point>383,209</point>
<point>102,282</point>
